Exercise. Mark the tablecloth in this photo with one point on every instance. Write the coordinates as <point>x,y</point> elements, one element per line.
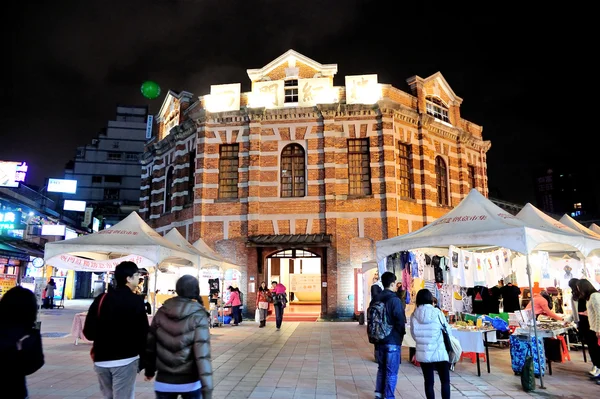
<point>79,322</point>
<point>473,340</point>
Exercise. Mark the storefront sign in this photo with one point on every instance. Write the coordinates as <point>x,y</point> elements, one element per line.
<point>72,205</point>
<point>305,283</point>
<point>11,173</point>
<point>76,263</point>
<point>11,220</point>
<point>62,186</point>
<point>7,281</point>
<point>315,91</point>
<point>223,98</point>
<point>362,89</point>
<point>149,123</point>
<point>267,94</point>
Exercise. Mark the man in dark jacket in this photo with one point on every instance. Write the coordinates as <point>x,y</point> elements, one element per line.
<point>389,347</point>
<point>179,345</point>
<point>118,325</point>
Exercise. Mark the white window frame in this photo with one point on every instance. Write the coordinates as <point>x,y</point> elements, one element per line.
<point>438,111</point>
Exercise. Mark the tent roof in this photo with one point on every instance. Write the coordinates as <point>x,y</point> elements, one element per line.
<point>477,221</point>
<point>595,228</point>
<point>205,259</point>
<point>533,217</point>
<point>131,236</point>
<point>212,254</point>
<point>575,225</point>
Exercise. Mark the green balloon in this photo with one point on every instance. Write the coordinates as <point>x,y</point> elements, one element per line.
<point>150,89</point>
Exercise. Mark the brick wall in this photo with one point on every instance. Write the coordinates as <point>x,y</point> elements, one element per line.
<point>355,223</point>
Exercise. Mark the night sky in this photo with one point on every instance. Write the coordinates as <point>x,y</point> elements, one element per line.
<point>524,75</point>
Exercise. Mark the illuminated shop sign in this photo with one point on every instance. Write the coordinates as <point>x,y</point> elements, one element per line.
<point>62,186</point>
<point>11,173</point>
<point>11,220</point>
<point>224,98</point>
<point>362,89</point>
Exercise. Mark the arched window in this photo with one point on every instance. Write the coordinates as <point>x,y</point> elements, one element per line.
<point>191,177</point>
<point>168,190</point>
<point>441,175</point>
<point>292,171</point>
<point>437,108</point>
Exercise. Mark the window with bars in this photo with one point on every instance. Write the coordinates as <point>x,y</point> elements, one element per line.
<point>292,171</point>
<point>437,109</point>
<point>291,91</point>
<point>441,175</point>
<point>405,166</point>
<point>228,170</point>
<point>359,169</point>
<point>168,190</point>
<point>472,179</point>
<point>191,178</point>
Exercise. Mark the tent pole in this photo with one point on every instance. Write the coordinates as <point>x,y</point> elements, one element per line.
<point>154,299</point>
<point>535,334</point>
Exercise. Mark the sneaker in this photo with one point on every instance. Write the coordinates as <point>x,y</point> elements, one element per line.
<point>278,329</point>
<point>593,371</point>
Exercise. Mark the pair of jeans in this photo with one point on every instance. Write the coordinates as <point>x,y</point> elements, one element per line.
<point>387,373</point>
<point>278,315</point>
<point>263,314</point>
<point>118,382</point>
<point>184,395</point>
<point>591,340</point>
<point>236,314</point>
<point>443,369</point>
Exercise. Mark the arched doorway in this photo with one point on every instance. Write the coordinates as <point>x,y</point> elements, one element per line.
<point>300,271</point>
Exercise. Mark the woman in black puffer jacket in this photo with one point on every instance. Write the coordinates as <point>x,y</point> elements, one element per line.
<point>179,345</point>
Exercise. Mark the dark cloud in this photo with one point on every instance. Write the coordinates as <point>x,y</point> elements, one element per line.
<point>518,71</point>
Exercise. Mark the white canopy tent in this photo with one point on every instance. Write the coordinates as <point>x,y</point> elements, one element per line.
<point>209,253</point>
<point>478,223</point>
<point>595,228</point>
<point>130,239</point>
<point>575,225</point>
<point>535,218</point>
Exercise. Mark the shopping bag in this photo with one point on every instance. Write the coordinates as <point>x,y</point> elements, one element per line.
<point>528,375</point>
<point>257,315</point>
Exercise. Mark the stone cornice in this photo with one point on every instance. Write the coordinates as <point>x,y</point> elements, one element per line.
<point>398,112</point>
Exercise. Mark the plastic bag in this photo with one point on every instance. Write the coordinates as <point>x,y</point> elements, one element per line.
<point>257,315</point>
<point>497,323</point>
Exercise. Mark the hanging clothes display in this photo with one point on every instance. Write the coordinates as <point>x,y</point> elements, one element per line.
<point>510,297</point>
<point>480,297</point>
<point>414,265</point>
<point>468,269</point>
<point>446,297</point>
<point>438,272</point>
<point>495,295</point>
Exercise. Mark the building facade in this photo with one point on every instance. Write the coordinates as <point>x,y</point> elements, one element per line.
<point>298,169</point>
<point>108,170</point>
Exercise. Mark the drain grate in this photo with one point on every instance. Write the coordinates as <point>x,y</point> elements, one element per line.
<point>54,335</point>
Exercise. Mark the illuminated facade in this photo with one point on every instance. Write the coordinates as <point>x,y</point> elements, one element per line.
<point>300,164</point>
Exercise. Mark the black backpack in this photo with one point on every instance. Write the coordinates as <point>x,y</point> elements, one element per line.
<point>378,326</point>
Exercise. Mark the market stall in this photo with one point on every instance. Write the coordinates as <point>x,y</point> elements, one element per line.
<point>129,240</point>
<point>478,237</point>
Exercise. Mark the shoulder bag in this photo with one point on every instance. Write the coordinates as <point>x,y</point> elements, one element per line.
<point>452,345</point>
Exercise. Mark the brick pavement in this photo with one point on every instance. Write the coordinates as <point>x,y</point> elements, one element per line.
<point>303,360</point>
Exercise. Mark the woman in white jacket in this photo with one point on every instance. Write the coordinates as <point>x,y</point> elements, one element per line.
<point>426,328</point>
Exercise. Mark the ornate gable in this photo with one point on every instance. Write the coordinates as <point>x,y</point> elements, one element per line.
<point>172,103</point>
<point>436,85</point>
<point>292,64</point>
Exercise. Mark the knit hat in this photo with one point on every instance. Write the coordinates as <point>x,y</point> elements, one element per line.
<point>188,287</point>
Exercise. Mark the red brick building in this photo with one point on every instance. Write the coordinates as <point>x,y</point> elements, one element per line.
<point>299,164</point>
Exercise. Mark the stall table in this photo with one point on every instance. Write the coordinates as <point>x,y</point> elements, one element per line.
<point>545,333</point>
<point>79,322</point>
<point>470,341</point>
<point>476,341</point>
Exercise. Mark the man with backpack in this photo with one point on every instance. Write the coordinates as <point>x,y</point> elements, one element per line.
<point>386,327</point>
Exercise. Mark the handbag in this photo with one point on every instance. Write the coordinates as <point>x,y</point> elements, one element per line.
<point>92,354</point>
<point>528,373</point>
<point>452,345</point>
<point>263,305</point>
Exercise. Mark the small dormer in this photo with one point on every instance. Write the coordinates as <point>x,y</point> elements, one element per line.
<point>436,98</point>
<point>171,111</point>
<point>292,79</point>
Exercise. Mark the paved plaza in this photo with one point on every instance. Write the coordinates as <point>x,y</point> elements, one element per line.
<point>304,360</point>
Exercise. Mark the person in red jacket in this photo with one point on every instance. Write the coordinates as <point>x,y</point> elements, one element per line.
<point>234,301</point>
<point>263,297</point>
<point>541,306</point>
